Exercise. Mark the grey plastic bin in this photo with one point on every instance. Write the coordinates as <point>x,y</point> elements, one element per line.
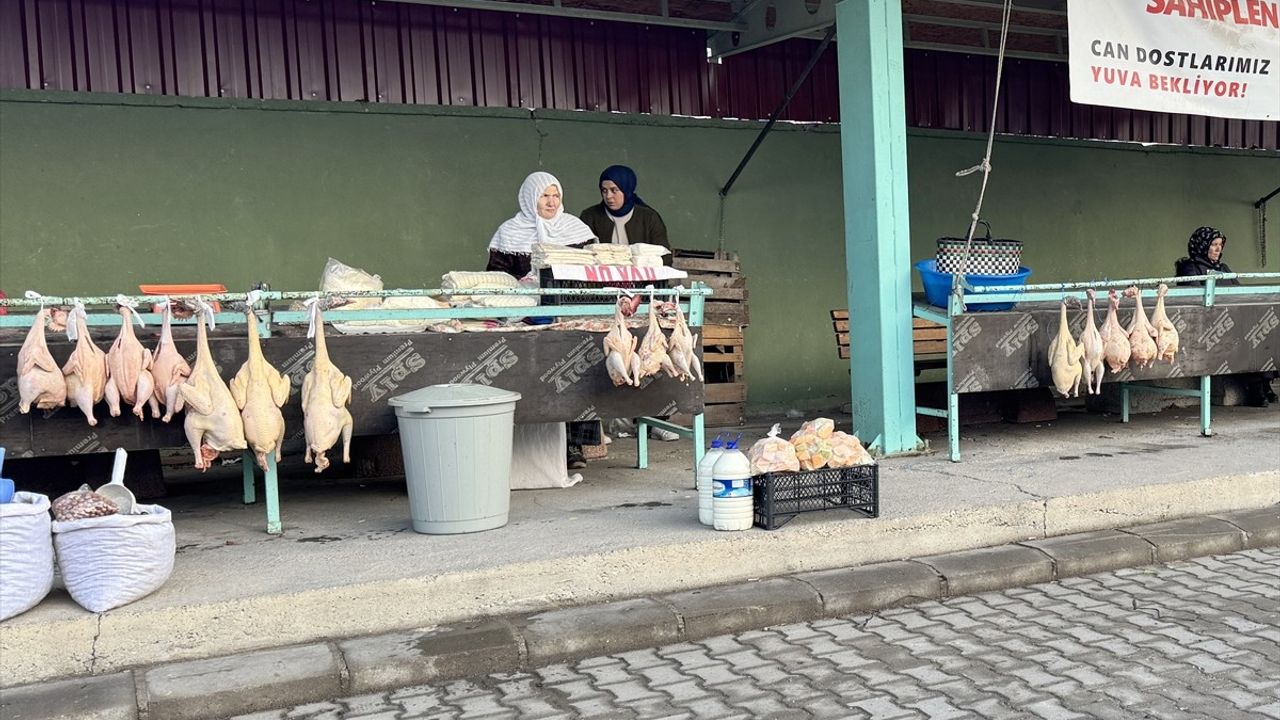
<point>456,441</point>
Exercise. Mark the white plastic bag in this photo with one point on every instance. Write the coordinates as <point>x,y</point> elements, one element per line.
<point>338,277</point>
<point>538,458</point>
<point>111,561</point>
<point>26,553</point>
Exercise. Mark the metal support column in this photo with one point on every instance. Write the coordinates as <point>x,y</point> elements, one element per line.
<point>873,146</point>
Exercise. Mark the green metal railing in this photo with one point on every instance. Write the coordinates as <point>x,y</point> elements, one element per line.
<point>690,300</point>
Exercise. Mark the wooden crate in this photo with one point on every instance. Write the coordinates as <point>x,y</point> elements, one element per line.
<point>721,272</point>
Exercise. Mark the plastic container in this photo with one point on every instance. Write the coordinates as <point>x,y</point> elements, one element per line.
<point>783,495</point>
<point>456,441</point>
<point>731,503</point>
<point>703,474</point>
<point>937,286</point>
<point>6,485</point>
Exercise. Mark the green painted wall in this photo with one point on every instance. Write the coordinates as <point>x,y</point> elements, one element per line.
<point>100,193</point>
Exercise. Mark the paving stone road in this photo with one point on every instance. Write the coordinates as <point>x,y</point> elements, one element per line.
<point>1194,639</point>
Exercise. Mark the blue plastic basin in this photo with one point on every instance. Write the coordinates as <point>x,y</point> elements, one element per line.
<point>937,286</point>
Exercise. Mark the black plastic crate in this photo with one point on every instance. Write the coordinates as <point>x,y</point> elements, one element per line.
<point>547,282</point>
<point>780,496</point>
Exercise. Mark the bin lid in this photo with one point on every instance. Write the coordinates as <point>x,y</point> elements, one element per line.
<point>452,395</point>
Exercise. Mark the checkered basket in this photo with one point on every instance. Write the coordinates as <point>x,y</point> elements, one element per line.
<point>987,256</point>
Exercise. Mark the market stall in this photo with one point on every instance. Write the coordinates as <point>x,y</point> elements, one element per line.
<point>554,359</point>
<point>1223,330</point>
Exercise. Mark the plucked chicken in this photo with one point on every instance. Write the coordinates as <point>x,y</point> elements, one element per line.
<point>1142,336</point>
<point>653,349</point>
<point>620,359</point>
<point>326,392</point>
<point>86,369</point>
<point>683,357</point>
<point>1091,343</point>
<point>1115,341</point>
<point>168,368</point>
<point>40,382</point>
<point>1166,333</point>
<point>129,370</point>
<point>1064,358</point>
<point>212,422</point>
<point>260,391</point>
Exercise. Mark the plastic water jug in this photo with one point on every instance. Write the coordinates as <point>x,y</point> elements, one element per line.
<point>704,479</point>
<point>731,502</point>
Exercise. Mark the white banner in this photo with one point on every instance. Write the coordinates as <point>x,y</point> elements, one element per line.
<point>615,273</point>
<point>1219,58</point>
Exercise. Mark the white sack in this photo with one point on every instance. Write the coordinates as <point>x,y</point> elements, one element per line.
<point>539,459</point>
<point>111,561</point>
<point>26,553</point>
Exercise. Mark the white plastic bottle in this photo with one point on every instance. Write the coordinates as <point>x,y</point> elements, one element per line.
<point>704,479</point>
<point>731,502</point>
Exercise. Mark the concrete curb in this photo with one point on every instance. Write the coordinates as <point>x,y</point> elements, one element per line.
<point>225,686</point>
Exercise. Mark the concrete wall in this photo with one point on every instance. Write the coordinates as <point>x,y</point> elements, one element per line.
<point>100,192</point>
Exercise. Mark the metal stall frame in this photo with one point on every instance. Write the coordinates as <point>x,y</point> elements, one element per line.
<point>1055,292</point>
<point>691,301</point>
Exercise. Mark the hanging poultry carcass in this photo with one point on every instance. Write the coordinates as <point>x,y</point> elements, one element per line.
<point>683,355</point>
<point>1064,358</point>
<point>1115,341</point>
<point>212,422</point>
<point>1142,336</point>
<point>259,390</point>
<point>86,369</point>
<point>1091,343</point>
<point>620,359</point>
<point>40,380</point>
<point>1166,332</point>
<point>129,379</point>
<point>326,392</point>
<point>653,349</point>
<point>168,367</point>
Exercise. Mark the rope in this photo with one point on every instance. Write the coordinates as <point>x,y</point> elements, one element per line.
<point>985,165</point>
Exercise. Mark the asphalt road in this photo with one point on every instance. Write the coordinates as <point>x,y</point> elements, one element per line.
<point>1194,639</point>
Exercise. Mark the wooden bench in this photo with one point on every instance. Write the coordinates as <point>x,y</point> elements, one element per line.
<point>928,341</point>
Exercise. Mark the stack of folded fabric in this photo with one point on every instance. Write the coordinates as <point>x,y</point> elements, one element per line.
<point>646,255</point>
<point>546,255</point>
<point>462,280</point>
<point>610,254</point>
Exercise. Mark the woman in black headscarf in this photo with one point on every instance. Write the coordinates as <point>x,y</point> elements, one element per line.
<point>621,217</point>
<point>1204,256</point>
<point>1205,249</point>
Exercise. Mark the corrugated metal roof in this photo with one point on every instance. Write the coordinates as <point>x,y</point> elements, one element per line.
<point>360,51</point>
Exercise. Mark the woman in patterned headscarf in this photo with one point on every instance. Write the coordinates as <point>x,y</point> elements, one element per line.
<point>541,219</point>
<point>1204,256</point>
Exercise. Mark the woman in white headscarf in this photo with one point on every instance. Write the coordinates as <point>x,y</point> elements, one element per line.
<point>541,219</point>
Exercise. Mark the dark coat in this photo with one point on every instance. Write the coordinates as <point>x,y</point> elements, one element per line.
<point>1191,266</point>
<point>645,226</point>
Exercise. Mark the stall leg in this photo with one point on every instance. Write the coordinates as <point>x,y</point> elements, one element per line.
<point>953,426</point>
<point>1205,428</point>
<point>246,465</point>
<point>1124,402</point>
<point>699,444</point>
<point>642,444</point>
<point>273,497</point>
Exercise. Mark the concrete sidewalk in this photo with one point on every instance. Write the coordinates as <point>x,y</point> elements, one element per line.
<point>347,566</point>
<point>316,672</point>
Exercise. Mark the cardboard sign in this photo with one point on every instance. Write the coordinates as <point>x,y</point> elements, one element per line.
<point>1219,58</point>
